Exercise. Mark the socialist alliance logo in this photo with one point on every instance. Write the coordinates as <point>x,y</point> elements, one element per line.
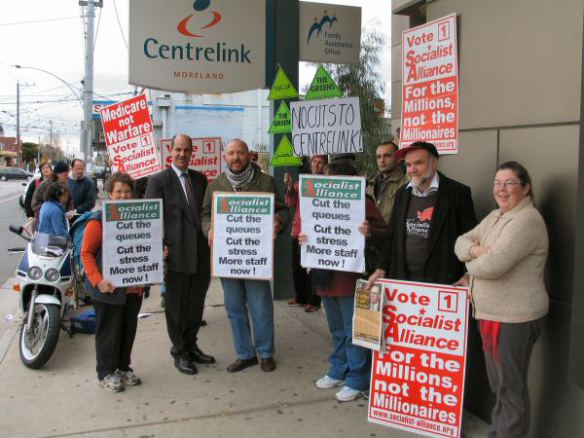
<point>200,7</point>
<point>318,25</point>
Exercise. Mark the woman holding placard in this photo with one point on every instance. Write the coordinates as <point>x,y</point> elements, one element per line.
<point>505,256</point>
<point>349,364</point>
<point>116,309</point>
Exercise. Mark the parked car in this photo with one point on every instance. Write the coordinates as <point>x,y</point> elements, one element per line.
<point>99,172</point>
<point>7,173</point>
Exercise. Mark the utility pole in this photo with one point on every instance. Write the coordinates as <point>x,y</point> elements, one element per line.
<point>17,117</point>
<point>86,132</point>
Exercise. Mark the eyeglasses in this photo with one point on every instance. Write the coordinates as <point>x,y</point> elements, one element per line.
<point>508,184</point>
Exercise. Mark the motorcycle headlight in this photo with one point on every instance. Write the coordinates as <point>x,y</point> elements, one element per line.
<point>52,275</point>
<point>35,272</point>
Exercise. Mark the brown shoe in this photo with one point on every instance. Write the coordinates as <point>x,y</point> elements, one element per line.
<point>241,364</point>
<point>268,365</point>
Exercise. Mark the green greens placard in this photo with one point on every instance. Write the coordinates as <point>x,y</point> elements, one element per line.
<point>284,155</point>
<point>282,87</point>
<point>282,123</point>
<point>323,86</point>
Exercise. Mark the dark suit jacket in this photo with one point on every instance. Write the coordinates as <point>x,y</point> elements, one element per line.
<point>454,215</point>
<point>182,231</point>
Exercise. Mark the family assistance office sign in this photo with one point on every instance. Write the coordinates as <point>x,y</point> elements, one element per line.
<point>417,382</point>
<point>202,46</point>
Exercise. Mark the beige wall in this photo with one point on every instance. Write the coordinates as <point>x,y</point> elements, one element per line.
<point>520,74</point>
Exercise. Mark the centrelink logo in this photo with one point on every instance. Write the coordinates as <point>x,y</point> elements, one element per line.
<point>199,6</point>
<point>319,24</point>
<point>219,52</point>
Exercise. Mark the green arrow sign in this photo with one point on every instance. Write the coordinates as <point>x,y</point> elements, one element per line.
<point>282,88</point>
<point>323,86</point>
<point>282,123</point>
<point>284,155</point>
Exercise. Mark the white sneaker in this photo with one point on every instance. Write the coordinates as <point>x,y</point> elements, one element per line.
<point>347,394</point>
<point>327,382</point>
<point>111,383</point>
<point>128,378</point>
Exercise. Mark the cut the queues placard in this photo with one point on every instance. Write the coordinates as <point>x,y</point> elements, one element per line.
<point>132,242</point>
<point>332,208</point>
<point>243,242</point>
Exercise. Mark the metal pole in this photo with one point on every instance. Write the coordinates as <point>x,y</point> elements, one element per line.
<point>17,119</point>
<point>88,83</point>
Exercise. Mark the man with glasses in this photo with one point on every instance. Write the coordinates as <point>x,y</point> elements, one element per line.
<point>390,177</point>
<point>428,216</point>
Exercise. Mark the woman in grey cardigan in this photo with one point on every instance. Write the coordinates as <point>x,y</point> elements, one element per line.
<point>505,256</point>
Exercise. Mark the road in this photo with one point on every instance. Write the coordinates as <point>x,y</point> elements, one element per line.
<point>10,213</point>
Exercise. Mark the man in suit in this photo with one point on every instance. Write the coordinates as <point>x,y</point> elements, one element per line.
<point>188,261</point>
<point>428,215</point>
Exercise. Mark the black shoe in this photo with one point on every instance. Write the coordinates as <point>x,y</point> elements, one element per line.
<point>203,323</point>
<point>198,356</point>
<point>185,366</point>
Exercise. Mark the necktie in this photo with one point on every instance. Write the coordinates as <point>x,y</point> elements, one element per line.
<point>191,197</point>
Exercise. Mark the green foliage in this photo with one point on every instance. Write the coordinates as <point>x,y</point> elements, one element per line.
<point>29,151</point>
<point>365,81</point>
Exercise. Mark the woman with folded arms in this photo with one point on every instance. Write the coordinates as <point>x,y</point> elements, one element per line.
<point>505,256</point>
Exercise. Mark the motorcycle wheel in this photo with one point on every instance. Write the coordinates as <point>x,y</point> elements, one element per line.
<point>37,346</point>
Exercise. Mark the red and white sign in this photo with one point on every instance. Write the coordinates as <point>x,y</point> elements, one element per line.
<point>417,382</point>
<point>430,85</point>
<point>206,156</point>
<point>129,136</point>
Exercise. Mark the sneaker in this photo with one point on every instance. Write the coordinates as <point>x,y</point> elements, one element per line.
<point>327,382</point>
<point>294,303</point>
<point>129,378</point>
<point>347,394</point>
<point>112,383</point>
<point>310,308</point>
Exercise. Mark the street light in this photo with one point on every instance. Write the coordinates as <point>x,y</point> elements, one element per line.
<point>86,125</point>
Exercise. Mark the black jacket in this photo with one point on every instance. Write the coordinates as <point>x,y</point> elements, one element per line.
<point>454,215</point>
<point>83,193</point>
<point>182,232</point>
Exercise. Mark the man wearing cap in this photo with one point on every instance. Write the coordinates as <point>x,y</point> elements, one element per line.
<point>389,179</point>
<point>305,295</point>
<point>428,215</point>
<point>60,174</point>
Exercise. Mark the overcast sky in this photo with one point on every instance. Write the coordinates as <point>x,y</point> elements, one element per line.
<point>49,35</point>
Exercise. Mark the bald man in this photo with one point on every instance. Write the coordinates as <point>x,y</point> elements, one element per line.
<point>247,297</point>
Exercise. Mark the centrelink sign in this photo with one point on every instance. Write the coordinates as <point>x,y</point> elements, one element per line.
<point>202,46</point>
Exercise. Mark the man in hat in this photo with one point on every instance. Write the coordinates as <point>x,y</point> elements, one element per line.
<point>389,179</point>
<point>428,215</point>
<point>305,295</point>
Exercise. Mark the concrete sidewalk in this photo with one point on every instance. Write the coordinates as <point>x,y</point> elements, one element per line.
<point>63,399</point>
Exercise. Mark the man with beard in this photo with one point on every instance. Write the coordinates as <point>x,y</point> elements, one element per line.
<point>428,215</point>
<point>247,297</point>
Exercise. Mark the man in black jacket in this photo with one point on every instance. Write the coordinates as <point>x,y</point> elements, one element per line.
<point>188,260</point>
<point>81,187</point>
<point>428,216</point>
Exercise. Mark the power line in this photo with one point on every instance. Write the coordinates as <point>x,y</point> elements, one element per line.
<point>120,24</point>
<point>45,20</point>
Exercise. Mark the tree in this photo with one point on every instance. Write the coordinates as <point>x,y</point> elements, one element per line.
<point>363,80</point>
<point>29,152</point>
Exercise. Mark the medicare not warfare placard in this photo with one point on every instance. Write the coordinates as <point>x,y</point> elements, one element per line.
<point>243,241</point>
<point>206,156</point>
<point>417,381</point>
<point>332,208</point>
<point>129,136</point>
<point>330,126</point>
<point>430,85</point>
<point>132,242</point>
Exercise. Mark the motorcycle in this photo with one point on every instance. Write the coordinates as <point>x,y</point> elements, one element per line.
<point>48,289</point>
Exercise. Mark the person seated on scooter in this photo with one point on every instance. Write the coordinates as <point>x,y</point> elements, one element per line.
<point>52,218</point>
<point>116,309</point>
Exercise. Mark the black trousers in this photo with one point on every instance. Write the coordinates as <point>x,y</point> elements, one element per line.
<point>302,283</point>
<point>115,333</point>
<point>507,375</point>
<point>184,304</point>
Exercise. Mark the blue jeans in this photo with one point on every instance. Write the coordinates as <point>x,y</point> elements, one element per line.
<point>255,297</point>
<point>347,361</point>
